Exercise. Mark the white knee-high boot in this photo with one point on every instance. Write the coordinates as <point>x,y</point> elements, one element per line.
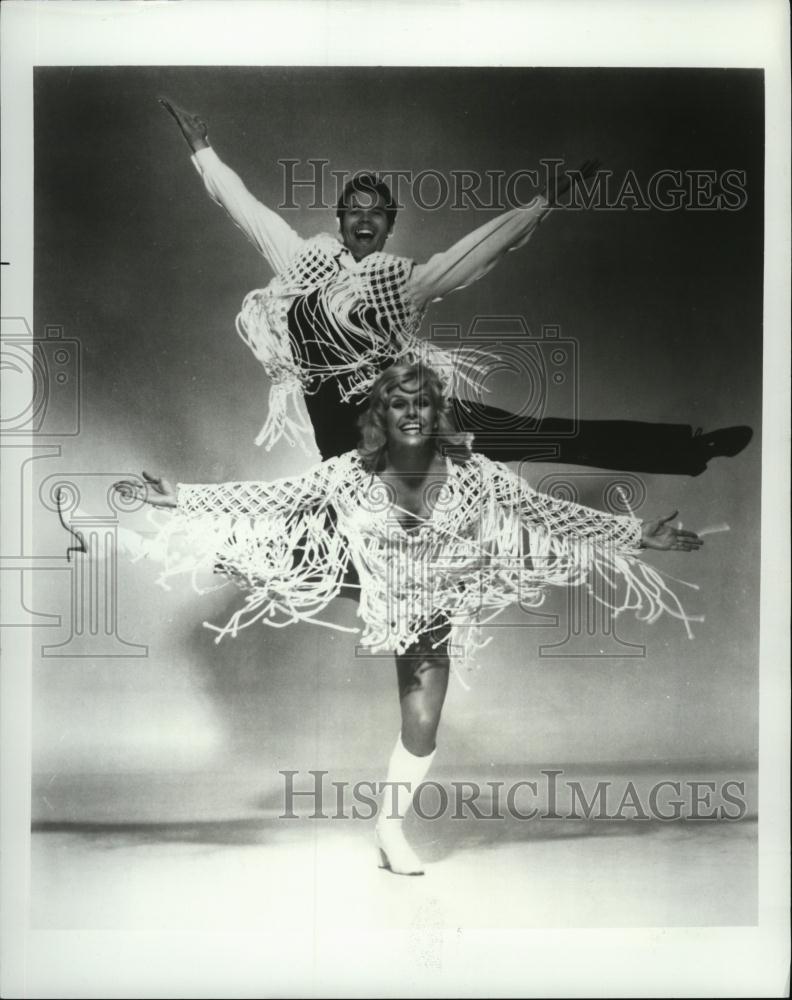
<point>405,774</point>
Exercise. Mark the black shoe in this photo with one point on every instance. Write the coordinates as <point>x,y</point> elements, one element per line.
<point>724,443</point>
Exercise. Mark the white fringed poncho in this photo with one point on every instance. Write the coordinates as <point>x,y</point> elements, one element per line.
<point>491,541</point>
<point>354,354</point>
<point>367,313</point>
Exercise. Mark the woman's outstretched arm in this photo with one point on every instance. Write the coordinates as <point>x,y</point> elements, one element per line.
<point>272,236</point>
<point>249,499</point>
<point>478,252</point>
<point>565,518</point>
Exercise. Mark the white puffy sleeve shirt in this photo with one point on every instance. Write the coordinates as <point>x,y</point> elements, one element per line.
<point>463,263</point>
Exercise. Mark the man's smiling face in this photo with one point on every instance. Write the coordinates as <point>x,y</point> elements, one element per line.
<point>364,224</point>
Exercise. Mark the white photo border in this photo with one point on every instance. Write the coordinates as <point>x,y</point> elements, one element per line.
<point>700,961</point>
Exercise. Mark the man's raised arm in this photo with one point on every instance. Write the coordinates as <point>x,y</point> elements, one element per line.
<point>478,252</point>
<point>269,233</point>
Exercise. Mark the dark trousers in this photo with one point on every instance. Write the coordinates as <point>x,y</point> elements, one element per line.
<point>625,445</point>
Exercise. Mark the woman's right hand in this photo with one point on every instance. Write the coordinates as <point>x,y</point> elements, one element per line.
<point>157,492</point>
<point>193,127</point>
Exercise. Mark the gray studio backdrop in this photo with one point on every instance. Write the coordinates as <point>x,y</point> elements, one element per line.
<point>143,275</point>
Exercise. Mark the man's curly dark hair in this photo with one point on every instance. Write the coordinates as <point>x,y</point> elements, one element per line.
<point>371,185</point>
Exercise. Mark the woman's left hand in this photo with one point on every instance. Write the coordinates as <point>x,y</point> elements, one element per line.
<point>660,534</point>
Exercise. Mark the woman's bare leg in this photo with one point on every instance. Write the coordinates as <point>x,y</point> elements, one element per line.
<point>423,681</point>
<point>422,673</point>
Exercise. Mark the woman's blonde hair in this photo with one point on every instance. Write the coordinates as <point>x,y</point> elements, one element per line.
<point>374,442</point>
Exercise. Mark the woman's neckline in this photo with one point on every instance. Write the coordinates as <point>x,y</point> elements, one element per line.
<point>417,518</point>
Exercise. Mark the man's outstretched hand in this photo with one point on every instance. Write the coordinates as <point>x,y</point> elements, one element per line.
<point>193,127</point>
<point>559,184</point>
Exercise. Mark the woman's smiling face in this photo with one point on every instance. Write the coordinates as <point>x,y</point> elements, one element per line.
<point>411,415</point>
